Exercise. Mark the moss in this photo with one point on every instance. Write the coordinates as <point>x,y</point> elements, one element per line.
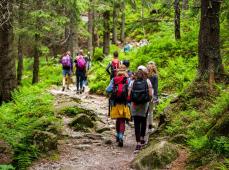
<point>72,111</point>
<point>45,141</point>
<point>156,156</point>
<point>82,122</point>
<point>221,127</point>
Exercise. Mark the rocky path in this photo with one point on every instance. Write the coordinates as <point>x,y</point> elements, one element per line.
<point>88,151</point>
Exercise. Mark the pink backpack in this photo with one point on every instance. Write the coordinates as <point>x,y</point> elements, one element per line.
<point>81,63</point>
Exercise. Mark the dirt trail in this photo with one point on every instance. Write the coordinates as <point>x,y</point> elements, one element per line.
<point>93,151</point>
<point>88,151</point>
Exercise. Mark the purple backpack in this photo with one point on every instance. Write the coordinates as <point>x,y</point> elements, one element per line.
<point>66,61</point>
<point>81,63</point>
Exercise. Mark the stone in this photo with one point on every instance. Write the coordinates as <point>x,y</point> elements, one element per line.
<point>101,127</point>
<point>156,156</point>
<point>107,141</point>
<point>83,147</point>
<point>82,122</point>
<point>45,141</point>
<point>94,136</point>
<point>6,153</point>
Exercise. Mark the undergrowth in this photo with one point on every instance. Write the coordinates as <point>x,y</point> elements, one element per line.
<point>31,109</point>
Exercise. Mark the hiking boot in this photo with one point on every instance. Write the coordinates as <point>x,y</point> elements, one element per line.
<point>150,126</point>
<point>143,142</point>
<point>63,88</point>
<point>138,148</point>
<point>77,91</point>
<point>120,143</point>
<point>117,139</point>
<point>83,89</point>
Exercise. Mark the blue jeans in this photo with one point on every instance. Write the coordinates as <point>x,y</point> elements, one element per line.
<point>80,77</point>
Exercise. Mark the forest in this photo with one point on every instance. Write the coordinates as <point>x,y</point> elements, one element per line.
<point>43,127</point>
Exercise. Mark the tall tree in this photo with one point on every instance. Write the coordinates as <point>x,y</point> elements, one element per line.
<point>115,22</point>
<point>123,7</point>
<point>210,63</point>
<point>177,19</point>
<point>7,61</point>
<point>36,47</point>
<point>20,53</point>
<point>90,26</point>
<point>106,32</point>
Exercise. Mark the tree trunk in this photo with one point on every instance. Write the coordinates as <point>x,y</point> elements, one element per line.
<point>185,4</point>
<point>20,61</point>
<point>123,21</point>
<point>90,28</point>
<point>115,22</point>
<point>20,53</point>
<point>142,18</point>
<point>177,19</point>
<point>36,61</point>
<point>8,80</point>
<point>106,34</point>
<point>76,46</point>
<point>210,66</point>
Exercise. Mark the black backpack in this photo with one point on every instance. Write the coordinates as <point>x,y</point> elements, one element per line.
<point>140,92</point>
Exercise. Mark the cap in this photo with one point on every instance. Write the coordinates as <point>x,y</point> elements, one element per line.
<point>143,68</point>
<point>151,62</point>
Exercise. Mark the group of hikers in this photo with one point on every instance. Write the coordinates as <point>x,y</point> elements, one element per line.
<point>133,96</point>
<point>82,65</point>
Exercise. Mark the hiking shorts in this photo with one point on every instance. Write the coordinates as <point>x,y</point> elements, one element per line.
<point>66,72</point>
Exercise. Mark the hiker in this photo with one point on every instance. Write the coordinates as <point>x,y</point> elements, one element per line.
<point>127,48</point>
<point>67,67</point>
<point>120,111</point>
<point>113,66</point>
<point>140,93</point>
<point>153,77</point>
<point>80,72</point>
<point>127,64</point>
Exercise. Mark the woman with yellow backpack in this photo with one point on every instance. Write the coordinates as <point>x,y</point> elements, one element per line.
<point>120,111</point>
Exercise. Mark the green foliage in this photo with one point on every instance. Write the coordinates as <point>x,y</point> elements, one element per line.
<point>6,167</point>
<point>221,145</point>
<point>224,165</point>
<point>31,109</point>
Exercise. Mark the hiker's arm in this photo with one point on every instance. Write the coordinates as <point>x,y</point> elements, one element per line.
<point>129,89</point>
<point>150,89</point>
<point>108,68</point>
<point>156,88</point>
<point>109,89</point>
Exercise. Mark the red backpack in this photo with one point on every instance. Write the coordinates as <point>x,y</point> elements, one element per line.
<point>120,90</point>
<point>114,67</point>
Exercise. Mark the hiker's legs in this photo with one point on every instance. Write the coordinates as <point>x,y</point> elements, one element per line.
<point>143,121</point>
<point>150,115</point>
<point>77,81</point>
<point>137,127</point>
<point>117,126</point>
<point>122,122</point>
<point>64,72</point>
<point>81,81</point>
<point>67,80</point>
